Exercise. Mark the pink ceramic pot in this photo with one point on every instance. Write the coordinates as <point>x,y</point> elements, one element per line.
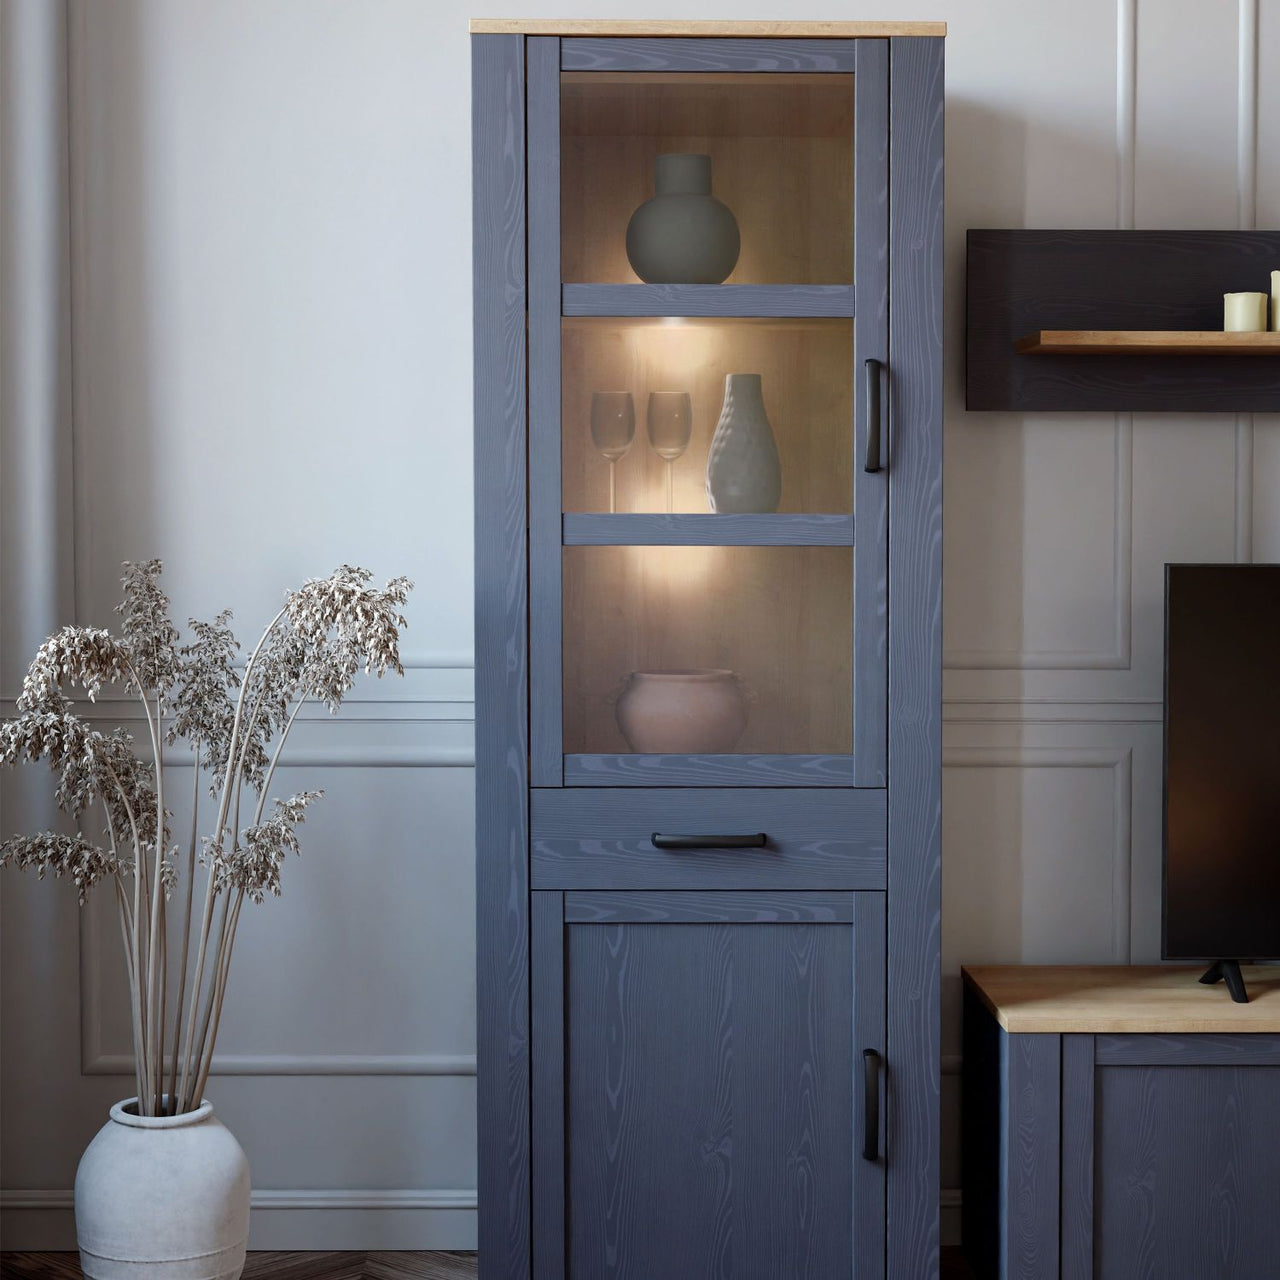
<point>695,712</point>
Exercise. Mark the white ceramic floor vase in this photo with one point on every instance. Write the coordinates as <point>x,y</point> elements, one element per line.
<point>743,471</point>
<point>162,1198</point>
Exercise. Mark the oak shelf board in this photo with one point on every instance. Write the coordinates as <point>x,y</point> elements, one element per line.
<point>701,529</point>
<point>1123,999</point>
<point>673,301</point>
<point>739,30</point>
<point>1156,342</point>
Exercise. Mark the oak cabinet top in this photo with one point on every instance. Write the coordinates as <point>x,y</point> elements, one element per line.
<point>1121,999</point>
<point>748,30</point>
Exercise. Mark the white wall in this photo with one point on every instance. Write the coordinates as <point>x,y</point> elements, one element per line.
<point>262,368</point>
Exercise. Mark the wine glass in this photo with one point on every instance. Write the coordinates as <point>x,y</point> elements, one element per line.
<point>670,424</point>
<point>613,427</point>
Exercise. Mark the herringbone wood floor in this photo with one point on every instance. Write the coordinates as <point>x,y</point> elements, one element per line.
<point>333,1266</point>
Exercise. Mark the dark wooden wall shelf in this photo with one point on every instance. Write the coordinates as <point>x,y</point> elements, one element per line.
<point>1132,318</point>
<point>1150,342</point>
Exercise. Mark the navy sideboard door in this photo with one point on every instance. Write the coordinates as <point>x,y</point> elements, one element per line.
<point>700,1058</point>
<point>692,1056</point>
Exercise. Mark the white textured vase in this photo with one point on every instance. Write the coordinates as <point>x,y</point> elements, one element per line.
<point>693,712</point>
<point>743,471</point>
<point>162,1198</point>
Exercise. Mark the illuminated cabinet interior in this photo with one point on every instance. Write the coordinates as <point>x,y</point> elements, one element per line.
<point>708,673</point>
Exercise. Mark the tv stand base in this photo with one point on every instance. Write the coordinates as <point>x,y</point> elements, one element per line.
<point>1227,971</point>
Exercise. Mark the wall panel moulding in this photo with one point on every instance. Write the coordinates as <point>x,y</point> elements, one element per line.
<point>1117,320</point>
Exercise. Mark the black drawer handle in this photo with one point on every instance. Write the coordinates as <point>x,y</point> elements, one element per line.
<point>870,1105</point>
<point>756,841</point>
<point>872,369</point>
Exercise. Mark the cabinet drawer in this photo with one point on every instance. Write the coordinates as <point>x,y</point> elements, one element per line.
<point>603,839</point>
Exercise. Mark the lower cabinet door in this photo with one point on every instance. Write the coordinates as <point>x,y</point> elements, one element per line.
<point>707,1081</point>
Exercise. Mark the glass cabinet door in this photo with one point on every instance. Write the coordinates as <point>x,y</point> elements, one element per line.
<point>708,513</point>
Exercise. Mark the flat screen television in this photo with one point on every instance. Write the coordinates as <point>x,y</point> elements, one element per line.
<point>1222,766</point>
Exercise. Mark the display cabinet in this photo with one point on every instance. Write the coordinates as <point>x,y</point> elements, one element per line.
<point>708,543</point>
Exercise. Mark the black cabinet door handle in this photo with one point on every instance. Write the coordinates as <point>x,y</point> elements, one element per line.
<point>752,841</point>
<point>872,369</point>
<point>870,1105</point>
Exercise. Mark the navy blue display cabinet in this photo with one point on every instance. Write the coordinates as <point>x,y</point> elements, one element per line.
<point>708,714</point>
<point>1121,1124</point>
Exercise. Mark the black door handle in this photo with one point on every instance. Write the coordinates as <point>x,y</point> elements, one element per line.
<point>872,369</point>
<point>870,1105</point>
<point>756,841</point>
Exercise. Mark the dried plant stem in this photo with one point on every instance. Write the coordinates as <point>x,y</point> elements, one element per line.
<point>210,997</point>
<point>218,831</point>
<point>135,1007</point>
<point>186,923</point>
<point>220,991</point>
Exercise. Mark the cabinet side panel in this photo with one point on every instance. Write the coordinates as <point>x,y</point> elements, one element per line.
<point>914,460</point>
<point>502,764</point>
<point>1031,1094</point>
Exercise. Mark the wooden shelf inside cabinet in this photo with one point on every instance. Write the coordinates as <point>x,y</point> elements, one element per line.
<point>1156,342</point>
<point>675,300</point>
<point>701,530</point>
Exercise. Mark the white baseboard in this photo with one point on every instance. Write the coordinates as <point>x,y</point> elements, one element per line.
<point>287,1219</point>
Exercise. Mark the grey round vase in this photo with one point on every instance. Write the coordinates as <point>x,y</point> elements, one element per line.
<point>743,471</point>
<point>684,235</point>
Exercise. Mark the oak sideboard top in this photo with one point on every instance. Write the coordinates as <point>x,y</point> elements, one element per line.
<point>1118,999</point>
<point>747,30</point>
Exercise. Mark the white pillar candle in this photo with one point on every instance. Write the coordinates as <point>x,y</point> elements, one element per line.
<point>1244,312</point>
<point>1275,300</point>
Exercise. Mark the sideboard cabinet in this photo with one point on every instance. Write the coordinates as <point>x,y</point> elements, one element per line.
<point>1120,1123</point>
<point>708,634</point>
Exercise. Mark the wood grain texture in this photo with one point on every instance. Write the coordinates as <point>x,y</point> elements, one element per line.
<point>601,839</point>
<point>914,460</point>
<point>646,530</point>
<point>1186,1173</point>
<point>790,907</point>
<point>1097,999</point>
<point>870,342</point>
<point>1029,1158</point>
<point>867,1212</point>
<point>1023,281</point>
<point>676,28</point>
<point>546,751</point>
<point>710,1134</point>
<point>806,371</point>
<point>708,300</point>
<point>1076,1189</point>
<point>502,766</point>
<point>701,55</point>
<point>547,944</point>
<point>1193,1050</point>
<point>1121,342</point>
<point>799,770</point>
